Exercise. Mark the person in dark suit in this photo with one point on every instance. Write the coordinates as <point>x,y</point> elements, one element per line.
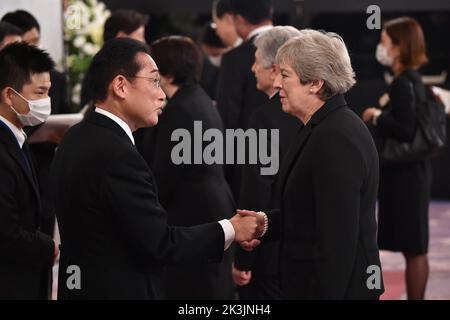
<point>237,95</point>
<point>257,271</point>
<point>26,253</point>
<point>328,181</point>
<point>113,228</point>
<point>191,194</point>
<point>405,188</point>
<point>42,152</point>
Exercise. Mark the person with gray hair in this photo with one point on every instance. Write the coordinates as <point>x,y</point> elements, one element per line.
<point>256,273</point>
<point>328,181</point>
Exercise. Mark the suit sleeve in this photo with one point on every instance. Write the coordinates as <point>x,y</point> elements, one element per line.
<point>230,91</point>
<point>167,174</point>
<point>17,244</point>
<point>256,190</point>
<point>128,188</point>
<point>399,120</point>
<point>337,172</point>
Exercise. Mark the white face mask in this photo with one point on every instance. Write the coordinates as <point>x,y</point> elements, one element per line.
<point>215,61</point>
<point>383,57</point>
<point>39,111</point>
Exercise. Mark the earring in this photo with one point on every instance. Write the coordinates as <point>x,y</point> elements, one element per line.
<point>310,90</point>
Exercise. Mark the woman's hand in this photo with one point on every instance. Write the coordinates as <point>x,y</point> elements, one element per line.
<point>370,113</point>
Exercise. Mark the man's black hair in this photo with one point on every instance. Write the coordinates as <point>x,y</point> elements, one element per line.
<point>8,29</point>
<point>126,21</point>
<point>118,56</point>
<point>23,20</point>
<point>19,61</point>
<point>254,11</point>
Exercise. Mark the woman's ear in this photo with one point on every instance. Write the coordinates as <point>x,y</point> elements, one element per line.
<point>316,86</point>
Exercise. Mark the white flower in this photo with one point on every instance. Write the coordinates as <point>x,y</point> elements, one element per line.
<point>79,41</point>
<point>89,49</point>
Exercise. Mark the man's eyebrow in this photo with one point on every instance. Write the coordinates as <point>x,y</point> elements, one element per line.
<point>154,70</point>
<point>43,87</point>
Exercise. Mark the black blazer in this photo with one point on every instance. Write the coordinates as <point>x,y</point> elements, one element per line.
<point>257,190</point>
<point>328,186</point>
<point>111,222</point>
<point>26,254</point>
<point>191,193</point>
<point>238,97</point>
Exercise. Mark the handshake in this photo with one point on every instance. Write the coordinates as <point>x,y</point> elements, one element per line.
<point>248,227</point>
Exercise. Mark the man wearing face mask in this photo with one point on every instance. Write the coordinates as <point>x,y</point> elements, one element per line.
<point>26,254</point>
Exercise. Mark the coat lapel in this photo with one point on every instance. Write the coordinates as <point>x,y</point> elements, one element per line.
<point>303,136</point>
<point>17,154</point>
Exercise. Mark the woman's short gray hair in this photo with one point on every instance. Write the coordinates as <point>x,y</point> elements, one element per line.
<point>271,40</point>
<point>316,55</point>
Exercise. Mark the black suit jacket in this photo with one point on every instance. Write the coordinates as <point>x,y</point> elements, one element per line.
<point>238,97</point>
<point>191,193</point>
<point>26,254</point>
<point>328,186</point>
<point>258,190</point>
<point>111,222</point>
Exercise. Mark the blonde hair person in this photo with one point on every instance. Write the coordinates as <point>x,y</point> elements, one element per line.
<point>328,181</point>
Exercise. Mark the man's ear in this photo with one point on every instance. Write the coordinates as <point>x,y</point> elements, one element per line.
<point>5,96</point>
<point>119,86</point>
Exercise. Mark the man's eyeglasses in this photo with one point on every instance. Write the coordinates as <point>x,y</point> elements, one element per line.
<point>155,81</point>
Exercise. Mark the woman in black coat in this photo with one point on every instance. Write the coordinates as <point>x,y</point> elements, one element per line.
<point>191,193</point>
<point>404,192</point>
<point>328,181</point>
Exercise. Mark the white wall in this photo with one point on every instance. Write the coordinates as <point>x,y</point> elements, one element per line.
<point>49,15</point>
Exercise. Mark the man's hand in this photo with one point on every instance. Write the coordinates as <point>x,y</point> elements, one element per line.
<point>245,227</point>
<point>241,278</point>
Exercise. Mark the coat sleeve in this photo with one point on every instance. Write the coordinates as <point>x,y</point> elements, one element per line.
<point>128,188</point>
<point>18,244</point>
<point>399,120</point>
<point>337,174</point>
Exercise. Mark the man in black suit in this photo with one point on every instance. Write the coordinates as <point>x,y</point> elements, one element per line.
<point>113,228</point>
<point>257,271</point>
<point>26,254</point>
<point>191,193</point>
<point>237,95</point>
<point>328,182</point>
<point>43,151</point>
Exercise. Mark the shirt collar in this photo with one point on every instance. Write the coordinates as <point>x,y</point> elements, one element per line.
<point>117,120</point>
<point>258,31</point>
<point>237,43</point>
<point>18,133</point>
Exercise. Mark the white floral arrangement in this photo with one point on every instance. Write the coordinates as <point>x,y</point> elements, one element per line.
<point>83,34</point>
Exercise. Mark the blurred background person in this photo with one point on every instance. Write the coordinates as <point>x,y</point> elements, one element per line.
<point>121,24</point>
<point>213,49</point>
<point>256,272</point>
<point>9,34</point>
<point>31,30</point>
<point>237,95</point>
<point>191,194</point>
<point>26,253</point>
<point>405,188</point>
<point>222,16</point>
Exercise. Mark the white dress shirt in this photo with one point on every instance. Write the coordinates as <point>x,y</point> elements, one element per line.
<point>18,133</point>
<point>227,227</point>
<point>258,31</point>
